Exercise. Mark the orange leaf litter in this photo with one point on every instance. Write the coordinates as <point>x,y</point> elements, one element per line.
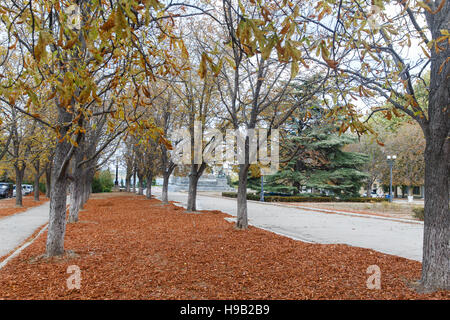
<point>129,247</point>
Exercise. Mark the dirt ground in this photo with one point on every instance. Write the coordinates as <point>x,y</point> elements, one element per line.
<point>393,210</point>
<point>129,247</point>
<point>8,206</point>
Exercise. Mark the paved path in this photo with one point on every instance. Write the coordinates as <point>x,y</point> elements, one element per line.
<point>400,238</point>
<point>15,229</point>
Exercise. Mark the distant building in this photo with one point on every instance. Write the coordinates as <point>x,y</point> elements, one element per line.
<point>398,191</point>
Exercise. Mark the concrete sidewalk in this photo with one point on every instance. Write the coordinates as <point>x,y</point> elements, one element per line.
<point>391,236</point>
<point>15,229</point>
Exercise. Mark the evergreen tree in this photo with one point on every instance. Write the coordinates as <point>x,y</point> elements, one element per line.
<point>315,159</point>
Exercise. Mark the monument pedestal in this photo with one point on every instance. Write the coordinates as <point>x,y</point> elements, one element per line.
<point>205,183</point>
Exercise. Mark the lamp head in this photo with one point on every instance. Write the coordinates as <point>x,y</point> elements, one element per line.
<point>389,157</point>
<point>394,157</point>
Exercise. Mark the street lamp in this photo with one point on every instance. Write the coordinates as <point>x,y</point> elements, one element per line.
<point>116,183</point>
<point>390,160</point>
<point>262,189</point>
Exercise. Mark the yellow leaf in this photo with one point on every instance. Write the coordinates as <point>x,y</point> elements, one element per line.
<point>294,69</point>
<point>203,67</point>
<point>110,23</point>
<point>425,52</point>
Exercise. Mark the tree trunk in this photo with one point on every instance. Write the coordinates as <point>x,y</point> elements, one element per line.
<point>297,188</point>
<point>48,181</point>
<point>37,177</point>
<point>242,219</point>
<point>76,197</point>
<point>58,199</point>
<point>57,221</point>
<point>165,189</point>
<point>19,179</point>
<point>134,182</point>
<point>87,183</point>
<point>369,189</point>
<point>192,195</point>
<point>436,239</point>
<point>149,186</point>
<point>58,194</point>
<point>128,183</point>
<point>141,186</point>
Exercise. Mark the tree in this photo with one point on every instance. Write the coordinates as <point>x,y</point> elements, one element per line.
<point>200,102</point>
<point>363,46</point>
<point>408,144</point>
<point>319,163</point>
<point>375,167</point>
<point>252,92</point>
<point>80,60</point>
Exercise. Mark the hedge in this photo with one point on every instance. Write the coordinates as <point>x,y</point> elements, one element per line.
<point>252,196</point>
<point>419,213</point>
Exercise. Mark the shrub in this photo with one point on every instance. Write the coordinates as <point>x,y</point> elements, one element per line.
<point>363,199</point>
<point>419,213</point>
<point>102,182</point>
<point>305,198</point>
<point>297,199</point>
<point>42,187</point>
<point>229,194</point>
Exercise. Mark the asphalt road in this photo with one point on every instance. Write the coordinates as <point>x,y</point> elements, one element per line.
<point>400,238</point>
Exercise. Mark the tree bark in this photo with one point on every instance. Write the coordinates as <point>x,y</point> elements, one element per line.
<point>192,195</point>
<point>148,192</point>
<point>58,199</point>
<point>87,185</point>
<point>37,177</point>
<point>48,180</point>
<point>369,188</point>
<point>297,188</point>
<point>19,179</point>
<point>436,239</point>
<point>76,197</point>
<point>165,189</point>
<point>141,186</point>
<point>128,183</point>
<point>194,176</point>
<point>134,181</point>
<point>242,219</point>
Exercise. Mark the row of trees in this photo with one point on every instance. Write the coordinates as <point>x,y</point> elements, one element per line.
<point>95,73</point>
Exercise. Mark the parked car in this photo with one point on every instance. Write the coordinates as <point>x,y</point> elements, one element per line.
<point>15,193</point>
<point>25,189</point>
<point>373,195</point>
<point>6,190</point>
<point>28,188</point>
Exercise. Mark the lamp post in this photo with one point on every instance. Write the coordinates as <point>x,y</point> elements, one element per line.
<point>390,160</point>
<point>116,183</point>
<point>262,189</point>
